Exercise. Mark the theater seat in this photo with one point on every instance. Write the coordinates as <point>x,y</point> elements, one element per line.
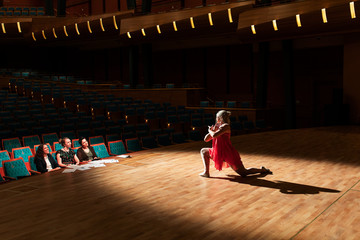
<point>96,140</point>
<point>100,150</point>
<point>133,145</point>
<point>11,143</point>
<point>15,168</point>
<point>149,142</point>
<point>116,147</point>
<point>24,153</point>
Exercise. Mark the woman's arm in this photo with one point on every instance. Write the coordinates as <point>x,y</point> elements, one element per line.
<point>220,131</point>
<point>76,160</point>
<point>59,160</point>
<point>208,138</point>
<point>54,164</point>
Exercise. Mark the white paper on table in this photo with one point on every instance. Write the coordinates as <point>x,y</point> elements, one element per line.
<point>110,161</point>
<point>99,165</point>
<point>124,156</point>
<point>69,170</point>
<point>96,164</point>
<point>83,168</point>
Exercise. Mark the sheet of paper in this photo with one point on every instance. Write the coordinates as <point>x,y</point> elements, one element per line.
<point>100,165</point>
<point>110,161</point>
<point>83,168</point>
<point>123,156</point>
<point>69,170</point>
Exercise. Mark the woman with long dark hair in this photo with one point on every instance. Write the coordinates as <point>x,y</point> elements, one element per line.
<point>86,152</point>
<point>44,161</point>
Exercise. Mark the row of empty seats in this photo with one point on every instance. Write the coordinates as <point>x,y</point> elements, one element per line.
<point>229,104</point>
<point>21,11</point>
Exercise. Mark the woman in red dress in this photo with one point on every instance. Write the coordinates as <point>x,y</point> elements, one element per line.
<point>222,152</point>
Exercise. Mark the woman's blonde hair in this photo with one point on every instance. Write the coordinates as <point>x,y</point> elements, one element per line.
<point>62,141</point>
<point>224,115</point>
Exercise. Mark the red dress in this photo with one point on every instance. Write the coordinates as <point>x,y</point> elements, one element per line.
<point>223,153</point>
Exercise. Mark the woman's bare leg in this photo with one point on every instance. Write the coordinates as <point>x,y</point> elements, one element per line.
<point>205,156</point>
<point>242,171</point>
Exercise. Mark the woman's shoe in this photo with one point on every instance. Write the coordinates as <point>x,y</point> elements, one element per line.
<point>266,170</point>
<point>207,175</point>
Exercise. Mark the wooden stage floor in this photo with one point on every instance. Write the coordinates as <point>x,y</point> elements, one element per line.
<point>314,193</point>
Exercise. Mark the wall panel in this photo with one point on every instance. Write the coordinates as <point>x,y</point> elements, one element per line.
<point>111,6</point>
<point>97,7</point>
<point>24,3</point>
<point>195,66</point>
<point>216,71</point>
<point>240,72</point>
<point>168,67</point>
<point>192,3</point>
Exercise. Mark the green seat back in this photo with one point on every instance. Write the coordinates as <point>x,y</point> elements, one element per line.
<point>16,168</point>
<point>133,144</point>
<point>117,147</point>
<point>101,150</point>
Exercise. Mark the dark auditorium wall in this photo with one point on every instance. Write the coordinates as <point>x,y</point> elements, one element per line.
<point>193,3</point>
<point>317,70</point>
<point>24,3</point>
<point>227,72</point>
<point>77,7</point>
<point>352,76</point>
<point>97,7</point>
<point>111,6</point>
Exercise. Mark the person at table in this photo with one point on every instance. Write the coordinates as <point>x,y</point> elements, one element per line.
<point>86,152</point>
<point>66,156</point>
<point>44,161</point>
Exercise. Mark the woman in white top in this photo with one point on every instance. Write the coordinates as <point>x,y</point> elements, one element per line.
<point>44,161</point>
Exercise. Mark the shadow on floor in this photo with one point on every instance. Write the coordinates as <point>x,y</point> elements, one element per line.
<point>284,187</point>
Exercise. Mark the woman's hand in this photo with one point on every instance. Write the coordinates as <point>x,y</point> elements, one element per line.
<point>55,169</point>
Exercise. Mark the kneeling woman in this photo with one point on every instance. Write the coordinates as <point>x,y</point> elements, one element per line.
<point>86,152</point>
<point>44,161</point>
<point>66,155</point>
<point>222,151</point>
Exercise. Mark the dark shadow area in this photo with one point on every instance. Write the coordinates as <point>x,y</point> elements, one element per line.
<point>284,187</point>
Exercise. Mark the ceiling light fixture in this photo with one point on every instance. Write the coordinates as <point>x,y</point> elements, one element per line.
<point>192,22</point>
<point>323,13</point>
<point>158,29</point>
<point>298,20</point>
<point>210,19</point>
<point>89,27</point>
<point>115,24</point>
<point>230,15</point>
<point>253,29</point>
<point>175,27</point>
<point>54,32</point>
<point>33,36</point>
<point>3,27</point>
<point>19,27</point>
<point>66,34</point>
<point>275,25</point>
<point>102,25</point>
<point>77,29</point>
<point>43,34</point>
<point>352,10</point>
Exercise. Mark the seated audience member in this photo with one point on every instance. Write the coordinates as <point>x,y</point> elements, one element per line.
<point>44,161</point>
<point>66,155</point>
<point>86,152</point>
